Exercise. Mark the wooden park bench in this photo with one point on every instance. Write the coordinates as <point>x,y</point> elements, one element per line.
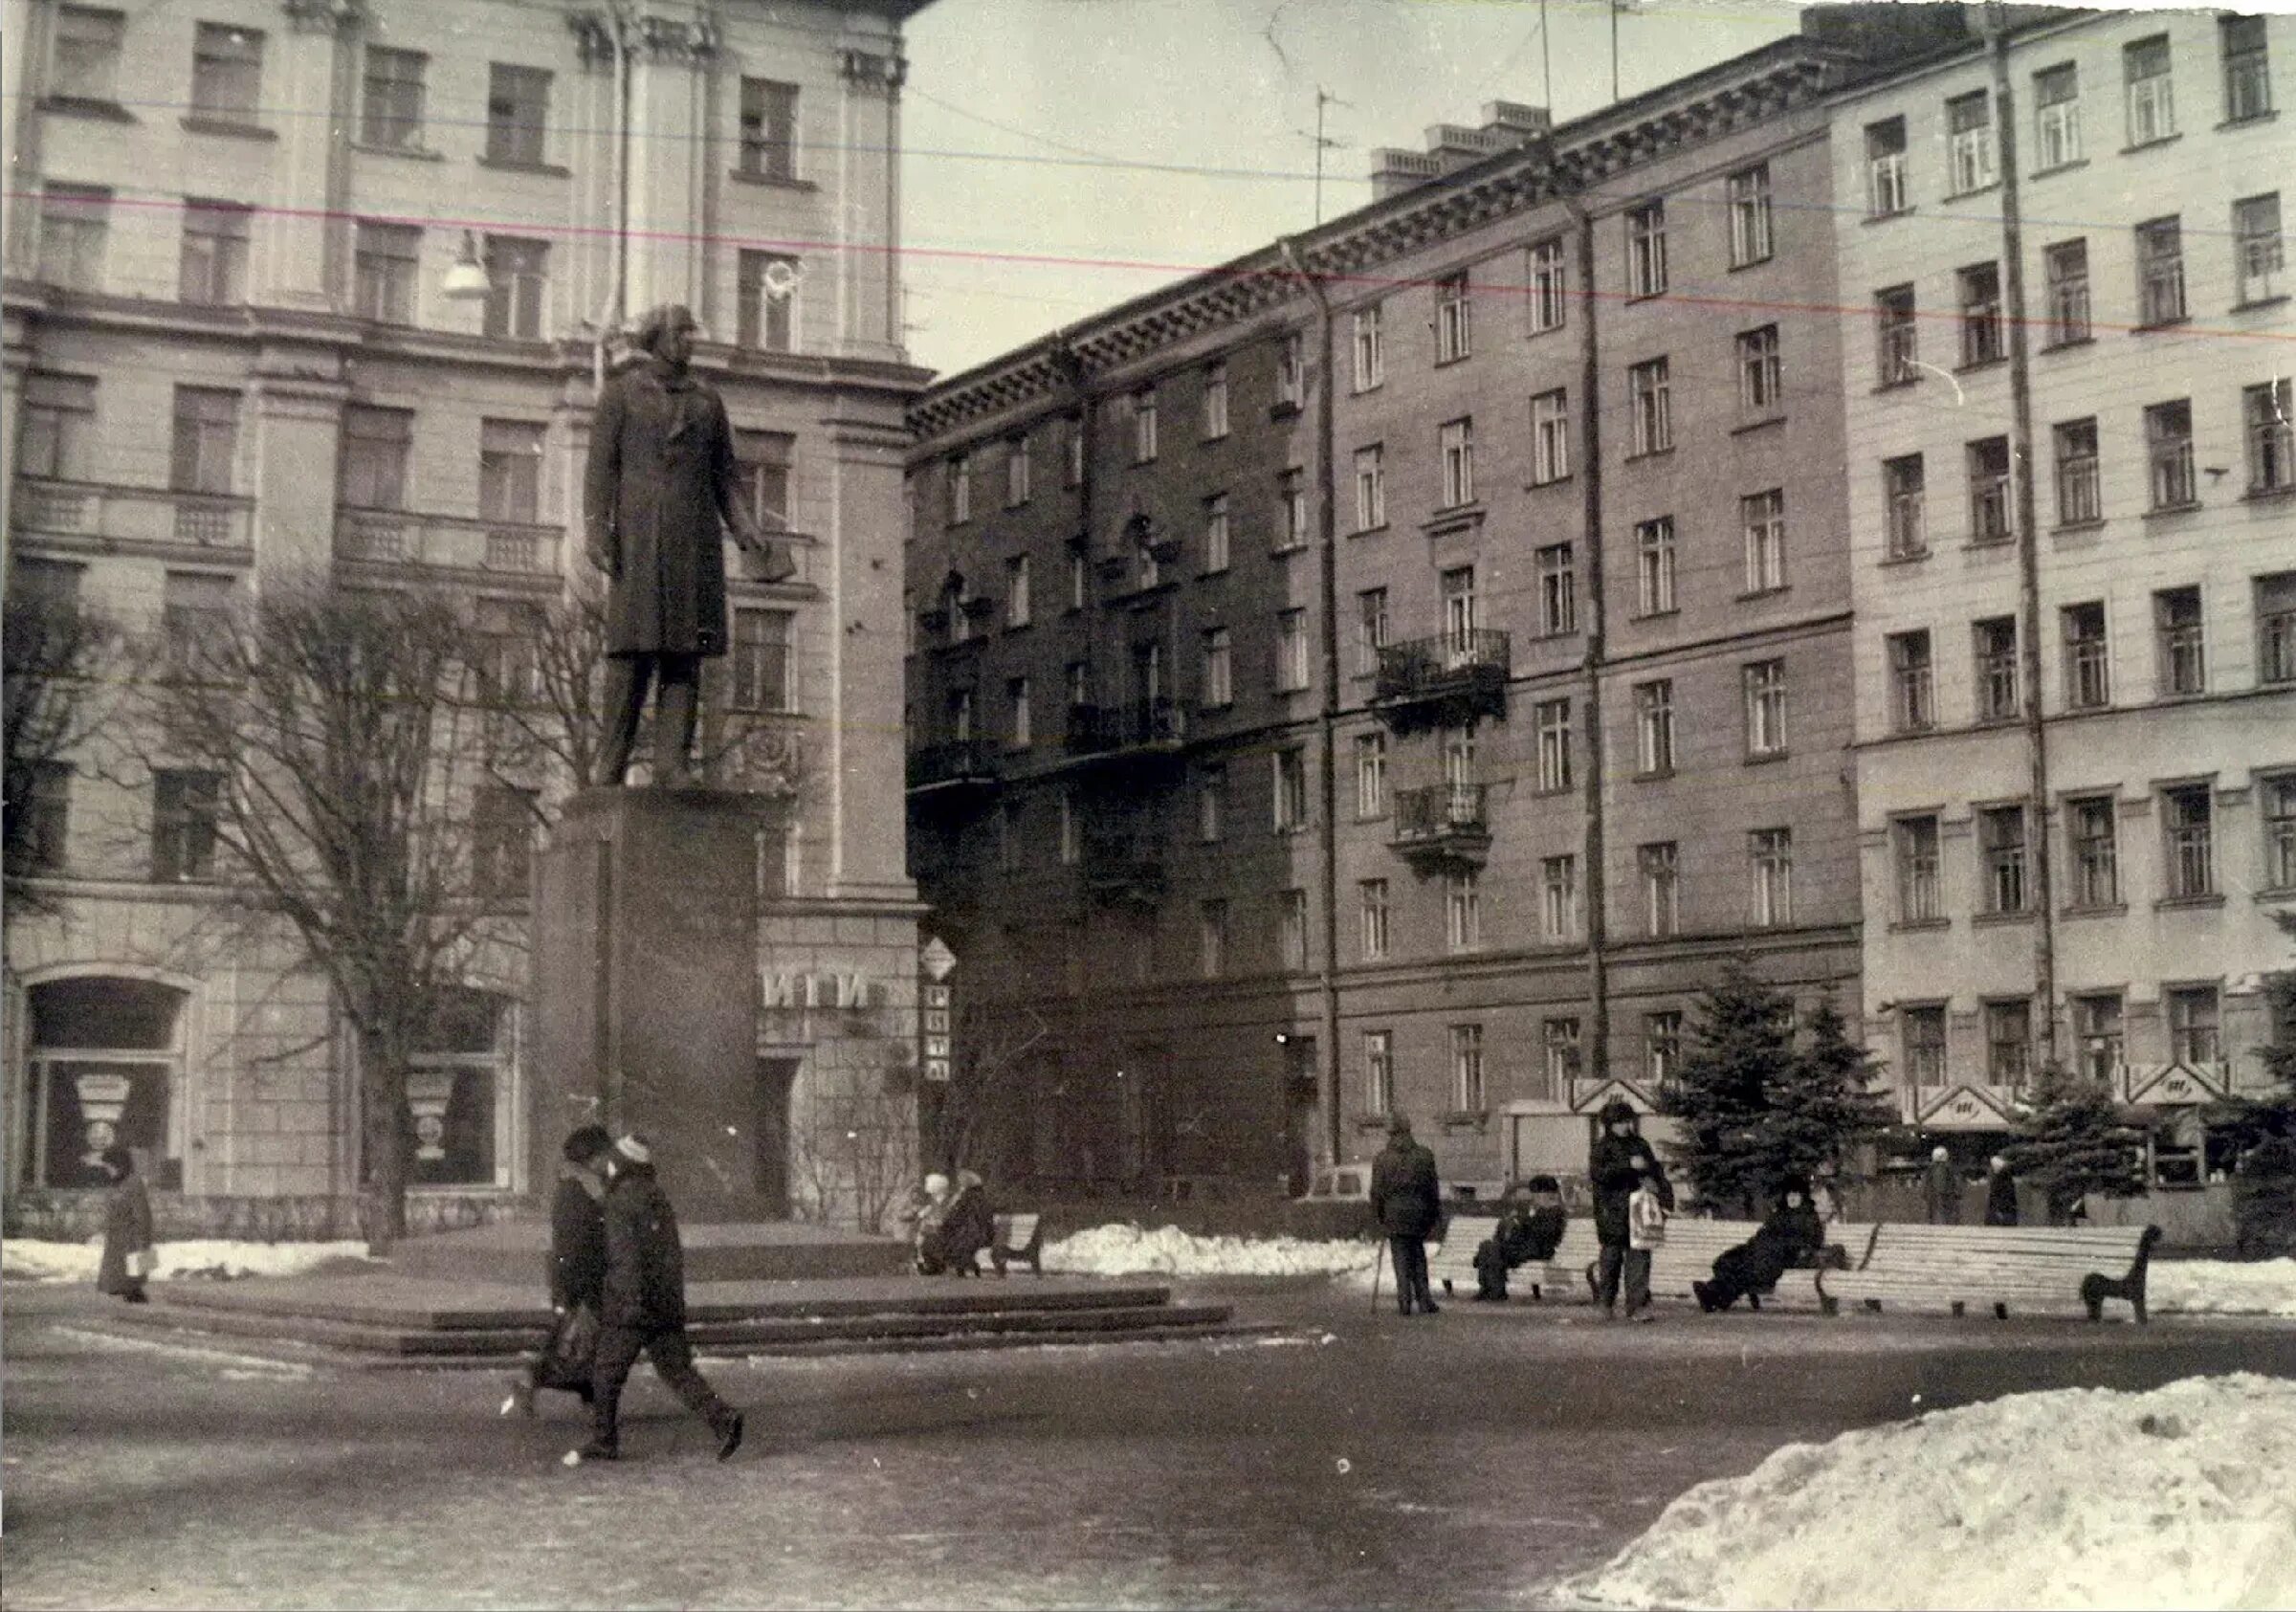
<point>1020,1239</point>
<point>1691,1247</point>
<point>1452,1265</point>
<point>2021,1270</point>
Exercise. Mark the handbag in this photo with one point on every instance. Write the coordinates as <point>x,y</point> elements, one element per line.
<point>570,1350</point>
<point>143,1262</point>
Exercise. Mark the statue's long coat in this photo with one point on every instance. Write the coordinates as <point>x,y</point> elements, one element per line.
<point>661,474</point>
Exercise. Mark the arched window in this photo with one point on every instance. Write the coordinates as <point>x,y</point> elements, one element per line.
<point>461,1093</point>
<point>105,1067</point>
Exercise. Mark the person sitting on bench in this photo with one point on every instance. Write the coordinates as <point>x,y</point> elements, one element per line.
<point>950,1235</point>
<point>1792,1235</point>
<point>1530,1227</point>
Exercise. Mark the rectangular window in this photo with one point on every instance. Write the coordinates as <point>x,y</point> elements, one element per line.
<point>2177,625</point>
<point>1968,134</point>
<point>2088,669</point>
<point>1654,726</point>
<point>1454,336</point>
<point>518,109</point>
<point>1558,591</point>
<point>1980,294</point>
<point>1455,440</point>
<point>1905,533</point>
<point>1994,642</point>
<point>375,445</point>
<point>1371,775</point>
<point>227,73</point>
<point>185,809</point>
<point>2002,848</point>
<point>1662,1045</point>
<point>1899,335</point>
<point>56,429</point>
<point>1766,707</point>
<point>1371,489</point>
<point>765,302</point>
<point>1072,457</point>
<point>1290,510</point>
<point>2265,413</point>
<point>2152,100</point>
<point>1211,938</point>
<point>1461,910</point>
<point>2188,821</point>
<point>206,440</point>
<point>1921,1032</point>
<point>1887,193</point>
<point>517,281</point>
<point>510,471</point>
<point>2056,116</point>
<point>1649,399</point>
<point>763,461</point>
<point>1647,249</point>
<point>195,607</point>
<point>1558,897</point>
<point>1550,284</point>
<point>502,825</point>
<point>1371,906</point>
<point>1919,897</point>
<point>1550,436</point>
<point>2277,804</point>
<point>1559,1044</point>
<point>1216,534</point>
<point>2247,68</point>
<point>1654,566</point>
<point>2065,266</point>
<point>2092,833</point>
<point>393,106</point>
<point>1771,852</point>
<point>1016,472</point>
<point>1291,791</point>
<point>1913,683</point>
<point>1761,384</point>
<point>1211,804</point>
<point>1989,508</point>
<point>2008,1042</point>
<point>1379,1071</point>
<point>1370,349</point>
<point>1215,402</point>
<point>2160,271</point>
<point>1458,588</point>
<point>84,64</point>
<point>768,129</point>
<point>1763,516</point>
<point>2097,1035</point>
<point>960,488</point>
<point>2080,488</point>
<point>764,668</point>
<point>2257,254</point>
<point>1291,372</point>
<point>213,266</point>
<point>1072,837</point>
<point>1553,723</point>
<point>1371,629</point>
<point>385,264</point>
<point>1219,675</point>
<point>1291,929</point>
<point>1467,1068</point>
<point>2192,1023</point>
<point>1659,866</point>
<point>2275,629</point>
<point>75,225</point>
<point>1750,216</point>
<point>1290,650</point>
<point>1143,425</point>
<point>1459,757</point>
<point>1022,733</point>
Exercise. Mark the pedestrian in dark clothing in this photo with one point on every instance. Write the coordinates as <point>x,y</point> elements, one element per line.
<point>1406,1199</point>
<point>1791,1236</point>
<point>576,1269</point>
<point>128,1253</point>
<point>644,1302</point>
<point>1614,1170</point>
<point>1943,1190</point>
<point>1529,1230</point>
<point>966,1227</point>
<point>2000,1193</point>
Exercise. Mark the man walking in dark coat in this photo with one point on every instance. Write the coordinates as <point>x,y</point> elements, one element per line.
<point>645,1307</point>
<point>2000,1193</point>
<point>1614,1170</point>
<point>1941,1189</point>
<point>577,1265</point>
<point>660,481</point>
<point>1406,1199</point>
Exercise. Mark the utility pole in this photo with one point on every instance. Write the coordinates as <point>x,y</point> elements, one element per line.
<point>1546,60</point>
<point>1323,98</point>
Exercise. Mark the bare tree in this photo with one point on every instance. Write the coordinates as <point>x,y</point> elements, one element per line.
<point>65,665</point>
<point>338,726</point>
<point>970,1116</point>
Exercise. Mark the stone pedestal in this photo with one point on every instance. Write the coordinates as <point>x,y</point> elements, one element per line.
<point>646,987</point>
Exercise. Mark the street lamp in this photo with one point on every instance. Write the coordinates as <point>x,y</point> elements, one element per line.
<point>466,282</point>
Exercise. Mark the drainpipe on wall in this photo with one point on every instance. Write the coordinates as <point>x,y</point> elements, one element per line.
<point>1590,415</point>
<point>2028,544</point>
<point>1327,972</point>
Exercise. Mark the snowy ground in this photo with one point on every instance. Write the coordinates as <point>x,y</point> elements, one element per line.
<point>2216,1287</point>
<point>2077,1497</point>
<point>23,1260</point>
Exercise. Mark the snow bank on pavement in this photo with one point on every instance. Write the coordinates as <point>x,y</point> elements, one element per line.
<point>1129,1251</point>
<point>2219,1287</point>
<point>22,1260</point>
<point>2077,1497</point>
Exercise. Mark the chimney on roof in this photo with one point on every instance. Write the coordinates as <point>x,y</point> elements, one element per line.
<point>1508,125</point>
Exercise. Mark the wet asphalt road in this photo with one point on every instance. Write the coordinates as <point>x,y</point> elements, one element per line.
<point>1472,1459</point>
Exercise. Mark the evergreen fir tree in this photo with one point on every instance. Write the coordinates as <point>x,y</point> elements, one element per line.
<point>1741,1046</point>
<point>1824,1106</point>
<point>2074,1143</point>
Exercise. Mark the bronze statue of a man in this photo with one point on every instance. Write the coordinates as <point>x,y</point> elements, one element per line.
<point>660,481</point>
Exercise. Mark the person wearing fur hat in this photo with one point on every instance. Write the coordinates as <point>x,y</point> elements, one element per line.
<point>1614,1169</point>
<point>577,1268</point>
<point>1406,1199</point>
<point>643,1306</point>
<point>1792,1235</point>
<point>127,1231</point>
<point>961,1227</point>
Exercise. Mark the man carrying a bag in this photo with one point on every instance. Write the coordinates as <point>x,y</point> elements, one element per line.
<point>577,1275</point>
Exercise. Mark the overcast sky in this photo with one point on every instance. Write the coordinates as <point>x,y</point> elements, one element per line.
<point>1053,150</point>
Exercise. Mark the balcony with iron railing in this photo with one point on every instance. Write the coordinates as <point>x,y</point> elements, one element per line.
<point>1121,870</point>
<point>1443,824</point>
<point>1142,728</point>
<point>952,766</point>
<point>146,517</point>
<point>395,538</point>
<point>1445,678</point>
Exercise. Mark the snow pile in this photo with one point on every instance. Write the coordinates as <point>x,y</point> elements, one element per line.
<point>2077,1497</point>
<point>22,1260</point>
<point>2219,1287</point>
<point>1129,1251</point>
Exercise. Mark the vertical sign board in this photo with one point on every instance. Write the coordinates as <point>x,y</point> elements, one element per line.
<point>935,1011</point>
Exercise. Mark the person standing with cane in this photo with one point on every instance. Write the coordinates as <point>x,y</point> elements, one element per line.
<point>1406,1199</point>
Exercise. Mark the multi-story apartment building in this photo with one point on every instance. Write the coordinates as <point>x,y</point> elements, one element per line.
<point>1393,672</point>
<point>2074,549</point>
<point>235,359</point>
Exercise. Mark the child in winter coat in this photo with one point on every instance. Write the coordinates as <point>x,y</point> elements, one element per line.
<point>1646,1231</point>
